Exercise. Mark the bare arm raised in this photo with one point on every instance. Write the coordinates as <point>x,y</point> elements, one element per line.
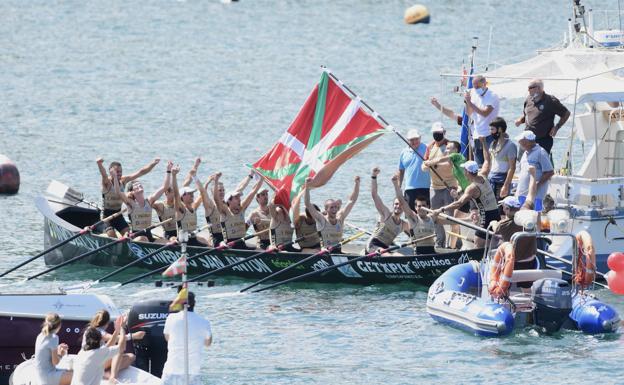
<point>103,173</point>
<point>308,203</point>
<point>343,213</point>
<point>137,174</point>
<point>397,191</point>
<point>381,208</point>
<point>248,199</point>
<point>152,199</point>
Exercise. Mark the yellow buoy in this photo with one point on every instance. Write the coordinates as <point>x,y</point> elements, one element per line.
<point>416,14</point>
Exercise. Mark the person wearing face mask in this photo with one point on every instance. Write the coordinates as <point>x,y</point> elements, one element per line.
<point>442,180</point>
<point>503,153</point>
<point>539,113</point>
<point>482,105</point>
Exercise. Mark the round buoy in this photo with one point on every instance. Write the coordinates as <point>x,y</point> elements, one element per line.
<point>417,14</point>
<point>9,176</point>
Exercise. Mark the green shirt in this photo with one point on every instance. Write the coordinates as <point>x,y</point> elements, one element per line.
<point>458,172</point>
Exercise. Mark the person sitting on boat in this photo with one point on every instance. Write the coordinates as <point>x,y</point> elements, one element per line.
<point>534,155</point>
<point>281,225</point>
<point>305,225</point>
<point>389,223</point>
<point>442,180</point>
<point>48,353</point>
<point>199,336</point>
<point>260,219</point>
<point>482,105</point>
<point>165,210</point>
<point>481,192</point>
<point>421,224</point>
<point>232,213</point>
<point>186,206</point>
<point>100,322</point>
<point>331,225</point>
<point>526,248</point>
<point>89,364</point>
<point>139,208</point>
<point>111,200</point>
<point>538,115</point>
<point>417,180</point>
<point>503,152</point>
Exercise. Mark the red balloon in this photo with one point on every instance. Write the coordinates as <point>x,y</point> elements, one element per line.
<point>616,282</point>
<point>616,261</point>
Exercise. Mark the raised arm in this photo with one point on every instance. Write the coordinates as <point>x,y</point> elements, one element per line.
<point>472,108</point>
<point>209,204</point>
<point>445,110</point>
<point>381,208</point>
<point>117,189</point>
<point>192,173</point>
<point>144,170</point>
<point>397,192</point>
<point>177,201</point>
<point>242,185</point>
<point>103,173</point>
<point>308,203</point>
<point>342,214</point>
<point>249,198</point>
<point>215,193</point>
<point>154,197</point>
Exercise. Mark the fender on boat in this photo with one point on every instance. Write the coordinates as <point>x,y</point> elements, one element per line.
<point>453,299</point>
<point>593,316</point>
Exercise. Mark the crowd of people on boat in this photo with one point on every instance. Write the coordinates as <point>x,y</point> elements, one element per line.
<point>431,179</point>
<point>103,355</point>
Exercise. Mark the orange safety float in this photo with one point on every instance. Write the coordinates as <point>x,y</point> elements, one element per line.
<point>586,260</point>
<point>502,270</point>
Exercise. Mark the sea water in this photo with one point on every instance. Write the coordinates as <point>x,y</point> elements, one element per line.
<point>131,81</point>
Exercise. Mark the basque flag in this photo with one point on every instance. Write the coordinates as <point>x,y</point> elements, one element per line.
<point>176,268</point>
<point>465,130</point>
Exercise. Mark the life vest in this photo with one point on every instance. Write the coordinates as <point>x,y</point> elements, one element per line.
<point>140,217</point>
<point>214,220</point>
<point>112,200</point>
<point>312,238</point>
<point>486,199</point>
<point>168,212</point>
<point>188,222</point>
<point>388,230</point>
<point>330,234</point>
<point>502,270</point>
<point>234,226</point>
<point>281,234</point>
<point>421,228</point>
<point>586,260</point>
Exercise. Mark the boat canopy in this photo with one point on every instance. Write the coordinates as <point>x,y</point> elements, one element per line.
<point>598,73</point>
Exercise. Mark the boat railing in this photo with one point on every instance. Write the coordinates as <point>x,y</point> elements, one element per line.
<point>596,193</point>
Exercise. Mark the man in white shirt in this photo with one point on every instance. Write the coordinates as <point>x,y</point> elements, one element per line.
<point>199,335</point>
<point>537,157</point>
<point>482,105</point>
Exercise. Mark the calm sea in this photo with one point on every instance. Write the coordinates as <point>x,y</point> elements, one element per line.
<point>131,81</point>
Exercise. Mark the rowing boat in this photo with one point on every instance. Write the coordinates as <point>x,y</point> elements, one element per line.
<point>65,216</point>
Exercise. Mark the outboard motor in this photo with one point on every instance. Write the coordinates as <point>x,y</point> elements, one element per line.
<point>553,303</point>
<point>151,351</point>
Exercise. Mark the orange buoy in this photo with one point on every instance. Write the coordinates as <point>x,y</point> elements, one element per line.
<point>417,14</point>
<point>9,176</point>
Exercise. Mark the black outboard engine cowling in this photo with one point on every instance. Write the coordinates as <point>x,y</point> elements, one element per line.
<point>553,303</point>
<point>151,351</point>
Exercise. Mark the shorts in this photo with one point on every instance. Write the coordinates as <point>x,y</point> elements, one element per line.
<point>374,244</point>
<point>118,223</point>
<point>424,250</point>
<point>491,215</point>
<point>264,243</point>
<point>465,208</point>
<point>290,249</point>
<point>170,233</point>
<point>239,244</point>
<point>193,241</point>
<point>217,238</point>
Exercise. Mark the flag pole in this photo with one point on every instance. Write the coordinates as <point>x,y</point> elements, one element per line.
<point>184,237</point>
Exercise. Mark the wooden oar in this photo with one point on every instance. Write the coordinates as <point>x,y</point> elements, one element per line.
<point>136,261</point>
<point>376,253</point>
<point>269,250</point>
<point>66,241</point>
<point>209,250</point>
<point>304,260</point>
<point>88,253</point>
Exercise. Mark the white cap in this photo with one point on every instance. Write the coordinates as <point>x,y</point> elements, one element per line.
<point>187,190</point>
<point>231,195</point>
<point>437,127</point>
<point>511,201</point>
<point>413,134</point>
<point>526,134</point>
<point>471,166</point>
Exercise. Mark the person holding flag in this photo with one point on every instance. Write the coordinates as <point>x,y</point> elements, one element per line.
<point>331,225</point>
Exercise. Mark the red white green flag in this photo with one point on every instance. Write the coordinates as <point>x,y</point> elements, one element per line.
<point>332,126</point>
<point>176,268</point>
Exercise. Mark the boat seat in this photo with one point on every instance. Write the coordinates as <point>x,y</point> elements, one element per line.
<point>534,274</point>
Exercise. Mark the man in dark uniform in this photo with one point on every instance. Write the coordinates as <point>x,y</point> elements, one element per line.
<point>539,114</point>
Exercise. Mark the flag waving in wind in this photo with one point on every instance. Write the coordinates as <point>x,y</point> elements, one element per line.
<point>176,268</point>
<point>332,126</point>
